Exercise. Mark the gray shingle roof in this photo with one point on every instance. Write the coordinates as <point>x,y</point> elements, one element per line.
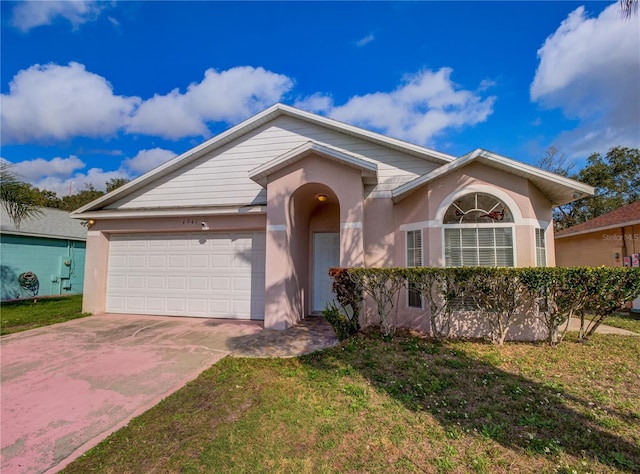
<point>52,223</point>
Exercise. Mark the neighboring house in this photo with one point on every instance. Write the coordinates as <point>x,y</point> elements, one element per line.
<point>606,240</point>
<point>247,224</point>
<point>51,245</point>
<point>612,239</point>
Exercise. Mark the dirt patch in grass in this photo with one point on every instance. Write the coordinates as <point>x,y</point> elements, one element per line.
<point>19,316</point>
<point>403,405</point>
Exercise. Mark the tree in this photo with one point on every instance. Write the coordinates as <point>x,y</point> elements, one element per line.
<point>115,183</point>
<point>555,161</point>
<point>17,198</point>
<point>628,8</point>
<point>616,179</point>
<point>75,201</point>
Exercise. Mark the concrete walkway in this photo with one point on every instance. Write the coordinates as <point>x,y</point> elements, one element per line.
<point>66,387</point>
<point>311,334</point>
<point>574,325</point>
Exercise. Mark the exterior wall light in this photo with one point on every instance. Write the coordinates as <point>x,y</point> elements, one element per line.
<point>321,197</point>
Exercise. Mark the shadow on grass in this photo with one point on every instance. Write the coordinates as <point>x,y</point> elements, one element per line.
<point>470,395</point>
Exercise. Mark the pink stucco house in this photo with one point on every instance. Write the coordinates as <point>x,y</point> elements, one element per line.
<point>247,224</point>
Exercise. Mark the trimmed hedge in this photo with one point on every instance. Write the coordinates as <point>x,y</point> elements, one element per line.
<point>498,294</point>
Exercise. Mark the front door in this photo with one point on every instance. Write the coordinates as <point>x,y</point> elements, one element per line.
<point>326,254</point>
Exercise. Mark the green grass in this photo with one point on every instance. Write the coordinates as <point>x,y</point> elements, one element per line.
<point>405,405</point>
<point>22,315</point>
<point>628,321</point>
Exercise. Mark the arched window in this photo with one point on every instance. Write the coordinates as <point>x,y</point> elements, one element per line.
<point>478,231</point>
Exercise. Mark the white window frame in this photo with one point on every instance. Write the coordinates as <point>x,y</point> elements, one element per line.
<point>489,225</point>
<point>538,231</point>
<point>406,240</point>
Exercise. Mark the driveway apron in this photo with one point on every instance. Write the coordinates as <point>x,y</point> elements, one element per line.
<point>68,386</point>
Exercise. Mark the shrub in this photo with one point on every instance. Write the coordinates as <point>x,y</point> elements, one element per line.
<point>344,325</point>
<point>498,294</point>
<point>383,286</point>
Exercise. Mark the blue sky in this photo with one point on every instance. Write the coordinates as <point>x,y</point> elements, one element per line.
<point>97,90</point>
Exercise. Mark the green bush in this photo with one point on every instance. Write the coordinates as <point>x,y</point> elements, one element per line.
<point>498,294</point>
<point>344,325</point>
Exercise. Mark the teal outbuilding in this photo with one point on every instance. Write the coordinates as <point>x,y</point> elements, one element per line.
<point>50,246</point>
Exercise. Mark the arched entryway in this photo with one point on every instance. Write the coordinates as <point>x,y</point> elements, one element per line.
<point>314,217</point>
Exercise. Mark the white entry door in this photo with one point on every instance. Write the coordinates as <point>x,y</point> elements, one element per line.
<point>326,254</point>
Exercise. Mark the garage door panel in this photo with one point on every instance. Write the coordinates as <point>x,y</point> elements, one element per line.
<point>178,262</point>
<point>219,283</point>
<point>156,283</point>
<point>157,261</point>
<point>210,275</point>
<point>198,283</point>
<point>135,302</point>
<point>136,282</point>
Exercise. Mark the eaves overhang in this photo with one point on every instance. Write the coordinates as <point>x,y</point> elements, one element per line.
<point>368,169</point>
<point>148,213</point>
<point>558,189</point>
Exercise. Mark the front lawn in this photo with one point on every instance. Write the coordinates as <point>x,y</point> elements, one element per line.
<point>629,321</point>
<point>407,405</point>
<point>22,315</point>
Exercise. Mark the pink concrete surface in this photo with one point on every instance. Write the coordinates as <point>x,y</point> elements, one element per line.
<point>66,387</point>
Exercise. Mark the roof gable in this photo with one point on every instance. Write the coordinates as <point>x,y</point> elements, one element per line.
<point>367,168</point>
<point>559,189</point>
<point>245,128</point>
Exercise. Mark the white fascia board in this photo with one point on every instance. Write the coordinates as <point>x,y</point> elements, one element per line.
<point>515,167</point>
<point>150,213</point>
<point>532,172</point>
<point>406,147</point>
<point>261,173</point>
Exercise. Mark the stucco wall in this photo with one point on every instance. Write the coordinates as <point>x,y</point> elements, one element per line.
<point>424,209</point>
<point>293,213</point>
<point>598,248</point>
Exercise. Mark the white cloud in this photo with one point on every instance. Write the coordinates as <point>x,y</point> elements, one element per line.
<point>95,177</point>
<point>226,96</point>
<point>364,41</point>
<point>34,170</point>
<point>423,106</point>
<point>319,103</point>
<point>59,102</point>
<point>146,160</point>
<point>54,102</point>
<point>61,174</point>
<point>30,14</point>
<point>590,68</point>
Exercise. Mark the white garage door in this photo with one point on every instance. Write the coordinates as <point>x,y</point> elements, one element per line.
<point>211,275</point>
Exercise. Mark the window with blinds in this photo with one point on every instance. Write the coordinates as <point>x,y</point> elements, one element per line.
<point>541,253</point>
<point>477,232</point>
<point>414,259</point>
<point>480,247</point>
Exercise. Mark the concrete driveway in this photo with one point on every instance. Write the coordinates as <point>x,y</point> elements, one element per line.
<point>66,387</point>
